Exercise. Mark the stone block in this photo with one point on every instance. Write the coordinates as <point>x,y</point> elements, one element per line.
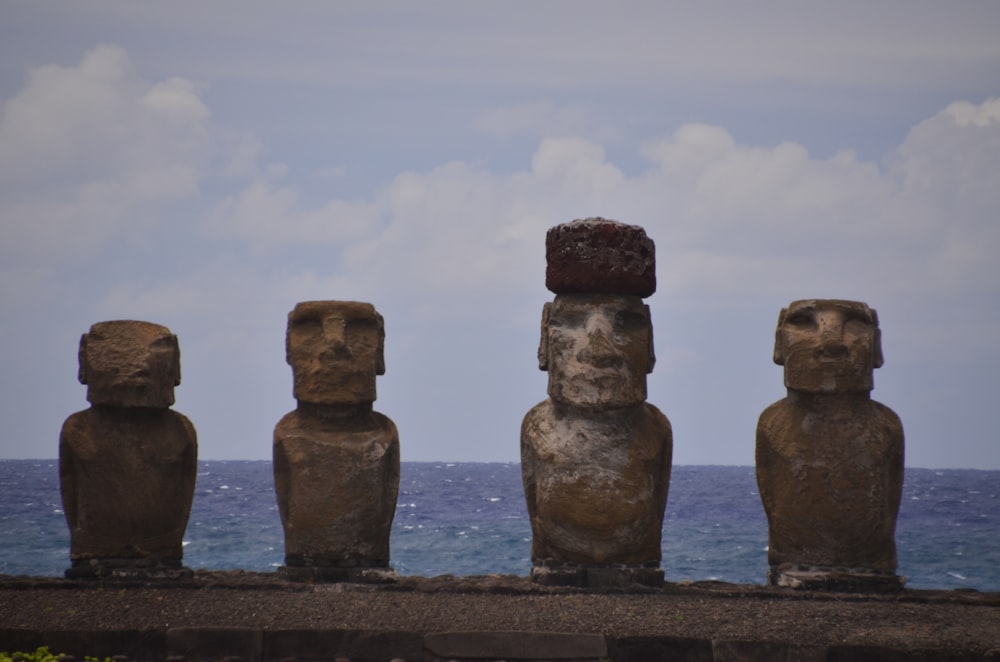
<point>355,645</point>
<point>597,255</point>
<point>215,643</point>
<point>766,651</point>
<point>659,649</point>
<point>521,646</point>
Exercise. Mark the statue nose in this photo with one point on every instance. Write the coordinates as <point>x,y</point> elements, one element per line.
<point>599,352</point>
<point>832,341</point>
<point>335,339</point>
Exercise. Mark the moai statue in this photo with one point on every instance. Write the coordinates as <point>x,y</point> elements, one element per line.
<point>829,458</point>
<point>595,456</point>
<point>127,465</point>
<point>336,461</point>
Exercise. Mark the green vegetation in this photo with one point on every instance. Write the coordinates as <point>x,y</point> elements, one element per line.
<point>44,655</point>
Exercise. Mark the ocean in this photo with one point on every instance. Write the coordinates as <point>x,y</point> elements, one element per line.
<point>470,519</point>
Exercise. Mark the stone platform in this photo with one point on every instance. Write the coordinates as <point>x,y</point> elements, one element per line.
<point>260,616</point>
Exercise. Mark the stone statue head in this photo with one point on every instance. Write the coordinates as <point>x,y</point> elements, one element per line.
<point>828,346</point>
<point>597,349</point>
<point>128,363</point>
<point>597,336</point>
<point>335,348</point>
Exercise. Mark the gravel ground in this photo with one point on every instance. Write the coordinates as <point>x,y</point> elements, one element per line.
<point>911,620</point>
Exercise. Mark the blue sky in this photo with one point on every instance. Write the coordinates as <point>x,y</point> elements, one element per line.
<point>208,165</point>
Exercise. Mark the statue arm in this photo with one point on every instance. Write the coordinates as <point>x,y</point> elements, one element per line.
<point>895,453</point>
<point>529,461</point>
<point>67,474</point>
<point>190,461</point>
<point>665,434</point>
<point>281,469</point>
<point>764,452</point>
<point>391,484</point>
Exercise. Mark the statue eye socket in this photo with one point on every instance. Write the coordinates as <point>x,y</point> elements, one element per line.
<point>858,324</point>
<point>800,320</point>
<point>361,325</point>
<point>627,320</point>
<point>568,318</point>
<point>306,325</point>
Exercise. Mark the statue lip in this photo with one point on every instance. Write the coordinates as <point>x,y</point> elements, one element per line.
<point>602,378</point>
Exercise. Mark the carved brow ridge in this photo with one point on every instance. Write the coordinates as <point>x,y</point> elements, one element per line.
<point>352,312</point>
<point>850,309</point>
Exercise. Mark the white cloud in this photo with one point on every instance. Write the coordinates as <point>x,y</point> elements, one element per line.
<point>965,113</point>
<point>269,216</point>
<point>244,153</point>
<point>222,287</point>
<point>84,151</point>
<point>728,218</point>
<point>947,170</point>
<point>462,245</point>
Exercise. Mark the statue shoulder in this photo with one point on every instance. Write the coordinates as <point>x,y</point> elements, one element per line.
<point>538,417</point>
<point>386,424</point>
<point>76,435</point>
<point>183,422</point>
<point>657,419</point>
<point>889,419</point>
<point>885,411</point>
<point>774,412</point>
<point>772,426</point>
<point>76,421</point>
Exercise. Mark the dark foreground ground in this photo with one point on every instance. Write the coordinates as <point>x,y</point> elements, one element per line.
<point>261,616</point>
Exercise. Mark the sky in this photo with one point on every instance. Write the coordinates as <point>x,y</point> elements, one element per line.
<point>207,165</point>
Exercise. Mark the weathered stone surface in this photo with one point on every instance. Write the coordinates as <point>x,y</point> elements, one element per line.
<point>772,651</point>
<point>596,487</point>
<point>595,457</point>
<point>335,349</point>
<point>526,646</point>
<point>214,643</point>
<point>127,363</point>
<point>336,481</point>
<point>127,465</point>
<point>597,349</point>
<point>594,255</point>
<point>828,346</point>
<point>336,461</point>
<point>829,458</point>
<point>315,622</point>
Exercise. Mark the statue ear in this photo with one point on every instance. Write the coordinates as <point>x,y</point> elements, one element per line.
<point>177,360</point>
<point>81,357</point>
<point>380,352</point>
<point>877,358</point>
<point>652,351</point>
<point>543,343</point>
<point>779,343</point>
